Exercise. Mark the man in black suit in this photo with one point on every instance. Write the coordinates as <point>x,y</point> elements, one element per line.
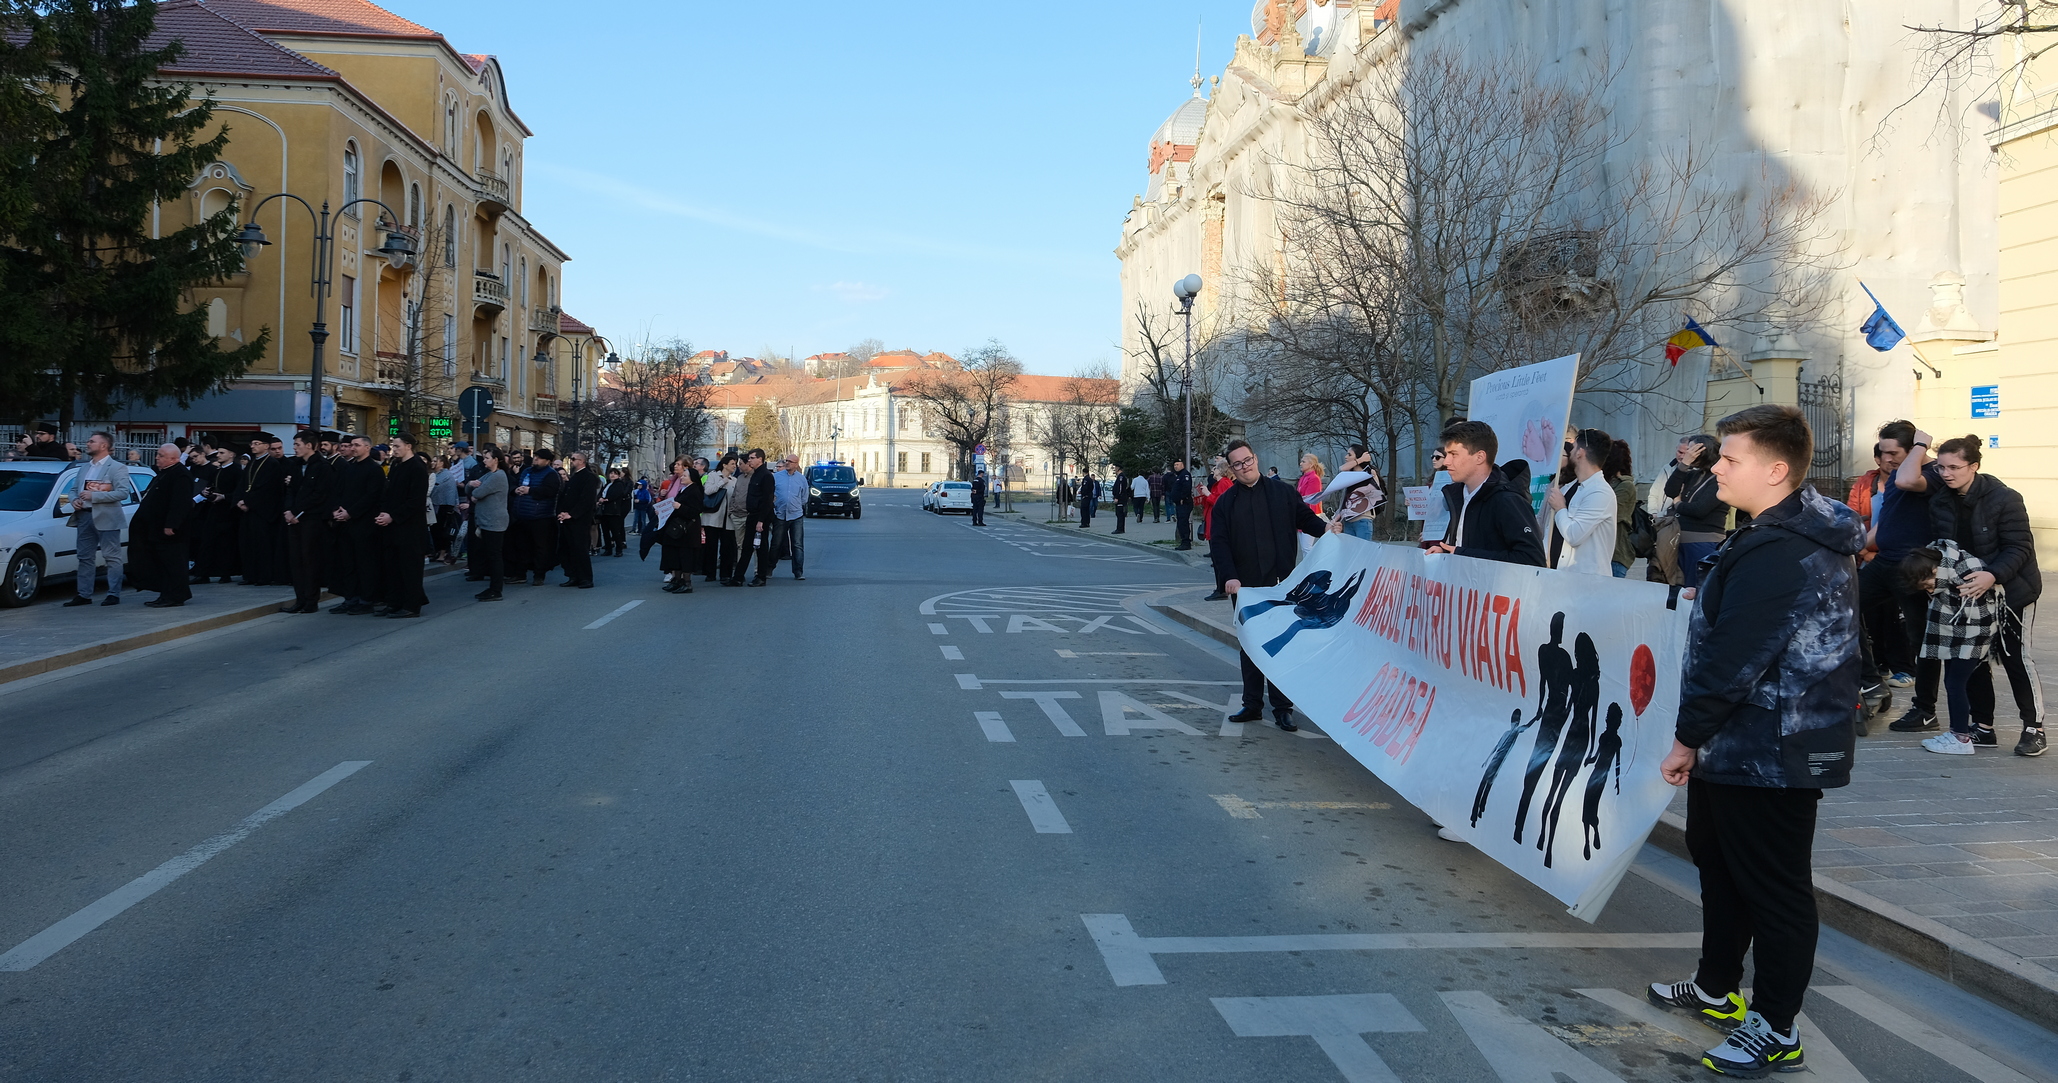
<point>262,500</point>
<point>759,494</point>
<point>576,504</point>
<point>310,490</point>
<point>157,546</point>
<point>402,534</point>
<point>216,543</point>
<point>359,486</point>
<point>1251,541</point>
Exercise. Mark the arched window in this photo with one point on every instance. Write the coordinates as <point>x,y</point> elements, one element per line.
<point>506,263</point>
<point>449,236</point>
<point>351,168</point>
<point>414,206</point>
<point>525,281</point>
<point>450,125</point>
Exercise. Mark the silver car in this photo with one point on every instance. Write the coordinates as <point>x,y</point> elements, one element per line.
<point>35,543</point>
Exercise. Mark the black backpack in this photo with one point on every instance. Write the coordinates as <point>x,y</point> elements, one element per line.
<point>1643,532</point>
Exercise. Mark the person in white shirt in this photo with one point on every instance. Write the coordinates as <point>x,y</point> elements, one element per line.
<point>1579,521</point>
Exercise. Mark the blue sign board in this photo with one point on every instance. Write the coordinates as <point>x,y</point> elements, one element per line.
<point>1986,400</point>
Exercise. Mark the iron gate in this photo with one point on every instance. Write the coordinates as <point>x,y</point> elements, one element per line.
<point>1823,403</point>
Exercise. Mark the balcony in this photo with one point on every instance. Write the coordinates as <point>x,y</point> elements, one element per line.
<point>489,294</point>
<point>390,370</point>
<point>493,192</point>
<point>487,379</point>
<point>546,403</point>
<point>546,320</point>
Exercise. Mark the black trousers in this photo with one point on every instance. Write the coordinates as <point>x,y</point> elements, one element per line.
<point>400,568</point>
<point>978,511</point>
<point>359,578</point>
<point>766,555</point>
<point>1929,672</point>
<point>1140,501</point>
<point>443,532</point>
<point>304,549</point>
<point>1256,687</point>
<point>159,563</point>
<point>2022,674</point>
<point>259,537</point>
<point>574,542</point>
<point>614,535</point>
<point>1754,846</point>
<point>488,548</point>
<point>1880,608</point>
<point>1184,514</point>
<point>532,546</point>
<point>718,555</point>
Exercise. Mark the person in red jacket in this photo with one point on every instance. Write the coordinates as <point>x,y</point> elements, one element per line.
<point>1218,483</point>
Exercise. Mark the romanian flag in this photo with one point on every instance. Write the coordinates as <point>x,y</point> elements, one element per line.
<point>1689,337</point>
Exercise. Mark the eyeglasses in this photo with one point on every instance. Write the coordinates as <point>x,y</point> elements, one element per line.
<point>1244,462</point>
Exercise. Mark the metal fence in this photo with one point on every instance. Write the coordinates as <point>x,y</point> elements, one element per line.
<point>1823,403</point>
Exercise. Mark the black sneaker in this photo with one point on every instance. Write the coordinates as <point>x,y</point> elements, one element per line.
<point>78,601</point>
<point>1754,1051</point>
<point>2032,743</point>
<point>112,599</point>
<point>1722,1013</point>
<point>1916,720</point>
<point>1218,596</point>
<point>1984,735</point>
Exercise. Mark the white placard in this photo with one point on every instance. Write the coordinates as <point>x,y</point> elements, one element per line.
<point>1530,409</point>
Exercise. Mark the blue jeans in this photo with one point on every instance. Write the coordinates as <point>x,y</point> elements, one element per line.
<point>1690,556</point>
<point>1358,528</point>
<point>1621,569</point>
<point>93,542</point>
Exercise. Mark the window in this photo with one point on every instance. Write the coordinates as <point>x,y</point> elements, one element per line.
<point>449,236</point>
<point>414,206</point>
<point>346,332</point>
<point>901,420</point>
<point>506,355</point>
<point>506,263</point>
<point>925,462</point>
<point>351,188</point>
<point>450,346</point>
<point>450,125</point>
<point>525,281</point>
<point>901,463</point>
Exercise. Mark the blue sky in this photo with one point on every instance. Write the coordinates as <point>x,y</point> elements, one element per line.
<point>802,176</point>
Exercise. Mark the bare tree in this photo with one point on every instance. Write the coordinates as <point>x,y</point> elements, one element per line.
<point>1996,54</point>
<point>963,408</point>
<point>661,393</point>
<point>422,375</point>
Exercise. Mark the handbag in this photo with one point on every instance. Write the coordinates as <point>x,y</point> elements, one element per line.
<point>712,501</point>
<point>1643,532</point>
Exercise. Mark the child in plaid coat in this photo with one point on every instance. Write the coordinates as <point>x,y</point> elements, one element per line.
<point>1960,631</point>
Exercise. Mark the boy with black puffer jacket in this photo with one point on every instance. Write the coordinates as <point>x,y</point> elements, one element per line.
<point>1489,519</point>
<point>1766,711</point>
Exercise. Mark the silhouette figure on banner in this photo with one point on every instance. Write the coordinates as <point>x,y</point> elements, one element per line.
<point>1607,759</point>
<point>1313,586</point>
<point>1494,759</point>
<point>1553,707</point>
<point>1578,750</point>
<point>1320,610</point>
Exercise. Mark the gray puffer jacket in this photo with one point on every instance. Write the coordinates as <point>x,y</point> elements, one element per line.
<point>1770,686</point>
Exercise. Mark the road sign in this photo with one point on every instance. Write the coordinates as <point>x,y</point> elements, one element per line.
<point>475,404</point>
<point>1986,400</point>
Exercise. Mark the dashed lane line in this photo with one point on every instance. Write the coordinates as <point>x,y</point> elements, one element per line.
<point>995,728</point>
<point>1043,812</point>
<point>952,654</point>
<point>618,612</point>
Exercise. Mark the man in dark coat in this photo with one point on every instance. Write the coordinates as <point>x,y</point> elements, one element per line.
<point>218,552</point>
<point>45,445</point>
<point>359,486</point>
<point>1251,541</point>
<point>310,491</point>
<point>262,500</point>
<point>979,498</point>
<point>577,503</point>
<point>532,539</point>
<point>402,533</point>
<point>157,546</point>
<point>1489,519</point>
<point>759,494</point>
<point>1765,724</point>
<point>614,513</point>
<point>1179,498</point>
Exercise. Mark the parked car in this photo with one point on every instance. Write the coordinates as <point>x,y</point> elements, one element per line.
<point>35,543</point>
<point>929,496</point>
<point>952,496</point>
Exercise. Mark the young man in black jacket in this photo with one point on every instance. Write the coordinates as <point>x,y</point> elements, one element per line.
<point>577,503</point>
<point>759,494</point>
<point>1766,706</point>
<point>403,531</point>
<point>1179,502</point>
<point>1251,541</point>
<point>1489,519</point>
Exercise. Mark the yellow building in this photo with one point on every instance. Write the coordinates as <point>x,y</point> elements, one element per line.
<point>340,102</point>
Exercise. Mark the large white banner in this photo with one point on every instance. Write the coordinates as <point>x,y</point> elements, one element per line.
<point>1527,710</point>
<point>1530,409</point>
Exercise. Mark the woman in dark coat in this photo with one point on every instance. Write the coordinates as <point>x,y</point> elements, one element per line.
<point>679,538</point>
<point>614,514</point>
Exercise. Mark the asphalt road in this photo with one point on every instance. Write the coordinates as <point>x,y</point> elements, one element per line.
<point>901,821</point>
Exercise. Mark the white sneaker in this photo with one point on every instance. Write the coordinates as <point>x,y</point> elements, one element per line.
<point>1949,744</point>
<point>1449,835</point>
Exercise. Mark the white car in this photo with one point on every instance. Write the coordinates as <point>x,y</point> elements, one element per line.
<point>929,496</point>
<point>35,543</point>
<point>950,496</point>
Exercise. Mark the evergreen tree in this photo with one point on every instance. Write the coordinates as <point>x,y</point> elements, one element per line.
<point>100,313</point>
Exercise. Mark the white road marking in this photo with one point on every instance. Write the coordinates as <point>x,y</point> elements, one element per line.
<point>973,681</point>
<point>996,730</point>
<point>952,654</point>
<point>1052,709</point>
<point>1115,708</point>
<point>1062,653</point>
<point>1920,1034</point>
<point>624,609</point>
<point>938,629</point>
<point>1043,812</point>
<point>1248,810</point>
<point>1518,1050</point>
<point>1227,707</point>
<point>1129,961</point>
<point>1335,1022</point>
<point>968,681</point>
<point>978,620</point>
<point>61,935</point>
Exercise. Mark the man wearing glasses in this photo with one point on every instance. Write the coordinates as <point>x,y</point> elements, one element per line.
<point>1251,541</point>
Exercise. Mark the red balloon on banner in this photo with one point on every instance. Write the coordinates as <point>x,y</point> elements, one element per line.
<point>1643,678</point>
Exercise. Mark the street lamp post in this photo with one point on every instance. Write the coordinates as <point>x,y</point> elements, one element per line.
<point>252,237</point>
<point>579,343</point>
<point>1186,289</point>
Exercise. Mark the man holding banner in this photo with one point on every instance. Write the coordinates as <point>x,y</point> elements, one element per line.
<point>1251,541</point>
<point>1488,519</point>
<point>1766,703</point>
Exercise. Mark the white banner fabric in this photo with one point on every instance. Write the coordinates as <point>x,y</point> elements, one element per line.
<point>1525,709</point>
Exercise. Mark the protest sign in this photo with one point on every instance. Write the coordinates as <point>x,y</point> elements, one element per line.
<point>1420,498</point>
<point>1530,409</point>
<point>1525,709</point>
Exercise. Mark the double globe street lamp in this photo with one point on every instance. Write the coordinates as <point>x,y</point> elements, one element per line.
<point>1186,289</point>
<point>398,245</point>
<point>579,344</point>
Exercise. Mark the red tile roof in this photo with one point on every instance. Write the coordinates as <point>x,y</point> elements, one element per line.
<point>572,325</point>
<point>215,45</point>
<point>353,17</point>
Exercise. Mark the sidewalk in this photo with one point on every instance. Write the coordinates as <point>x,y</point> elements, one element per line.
<point>1159,537</point>
<point>1948,862</point>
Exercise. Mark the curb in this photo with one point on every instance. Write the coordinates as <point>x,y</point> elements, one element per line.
<point>96,651</point>
<point>1978,968</point>
<point>1165,551</point>
<point>1207,628</point>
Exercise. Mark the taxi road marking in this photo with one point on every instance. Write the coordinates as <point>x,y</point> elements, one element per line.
<point>1248,810</point>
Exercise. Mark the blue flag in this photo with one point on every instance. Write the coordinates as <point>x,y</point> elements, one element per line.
<point>1880,331</point>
